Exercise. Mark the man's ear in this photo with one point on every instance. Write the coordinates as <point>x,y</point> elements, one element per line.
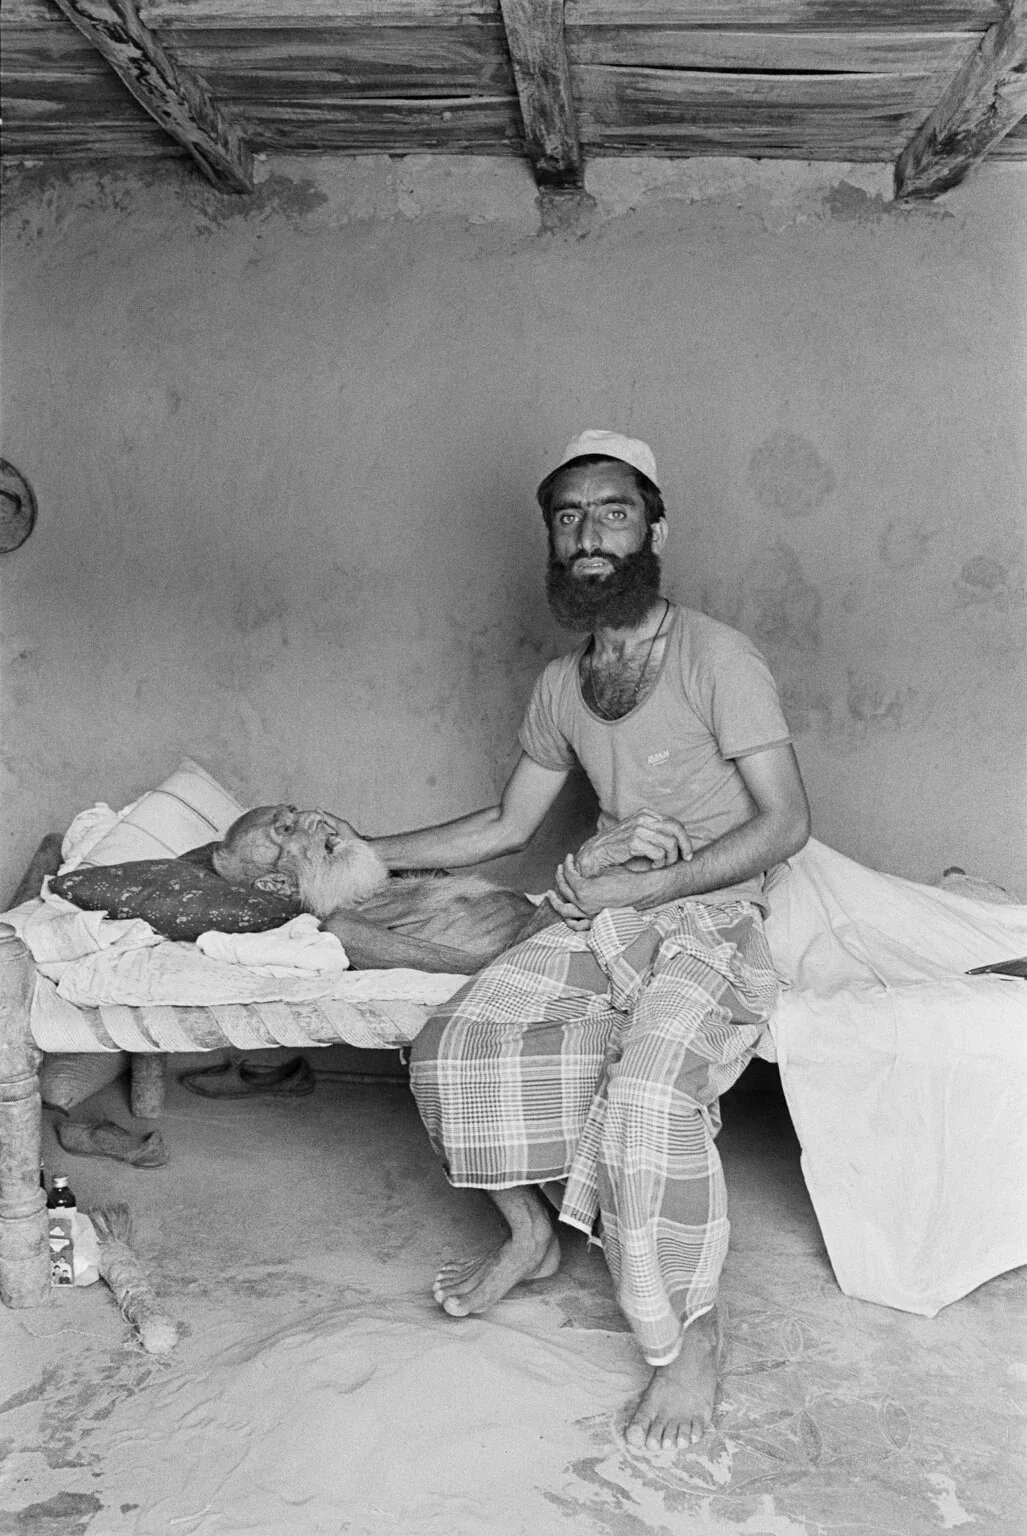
<point>277,883</point>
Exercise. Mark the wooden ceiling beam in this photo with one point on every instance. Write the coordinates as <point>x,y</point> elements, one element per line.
<point>986,98</point>
<point>538,52</point>
<point>171,93</point>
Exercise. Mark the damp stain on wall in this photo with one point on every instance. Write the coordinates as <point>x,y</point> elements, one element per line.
<point>990,582</point>
<point>849,203</point>
<point>805,701</point>
<point>781,608</point>
<point>905,543</point>
<point>293,199</point>
<point>877,703</point>
<point>257,605</point>
<point>787,475</point>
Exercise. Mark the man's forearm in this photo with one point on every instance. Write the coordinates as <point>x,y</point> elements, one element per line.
<point>739,855</point>
<point>487,834</point>
<point>468,840</point>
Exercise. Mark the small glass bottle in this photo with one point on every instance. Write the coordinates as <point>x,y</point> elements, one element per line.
<point>60,1222</point>
<point>61,1194</point>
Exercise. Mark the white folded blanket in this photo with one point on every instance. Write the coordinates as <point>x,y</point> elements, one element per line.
<point>60,934</point>
<point>97,962</point>
<point>296,948</point>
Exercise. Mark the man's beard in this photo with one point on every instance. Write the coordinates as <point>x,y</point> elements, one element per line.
<point>620,600</point>
<point>342,878</point>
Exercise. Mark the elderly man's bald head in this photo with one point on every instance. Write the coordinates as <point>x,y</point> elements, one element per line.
<point>253,843</point>
<point>308,854</point>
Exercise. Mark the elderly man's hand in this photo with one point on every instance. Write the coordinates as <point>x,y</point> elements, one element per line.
<point>645,835</point>
<point>578,898</point>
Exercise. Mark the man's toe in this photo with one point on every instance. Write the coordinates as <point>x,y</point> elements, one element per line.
<point>459,1285</point>
<point>654,1439</point>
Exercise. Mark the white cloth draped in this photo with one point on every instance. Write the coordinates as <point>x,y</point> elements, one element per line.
<point>905,1078</point>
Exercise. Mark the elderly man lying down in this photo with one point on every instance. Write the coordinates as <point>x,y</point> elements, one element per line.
<point>433,922</point>
<point>277,861</point>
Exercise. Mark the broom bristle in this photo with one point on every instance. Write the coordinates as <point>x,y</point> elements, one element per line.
<point>112,1222</point>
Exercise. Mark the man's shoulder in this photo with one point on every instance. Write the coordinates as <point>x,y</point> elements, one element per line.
<point>707,643</point>
<point>556,682</point>
<point>565,663</point>
<point>706,631</point>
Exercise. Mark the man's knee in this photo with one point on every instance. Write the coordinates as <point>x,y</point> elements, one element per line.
<point>686,1086</point>
<point>425,1046</point>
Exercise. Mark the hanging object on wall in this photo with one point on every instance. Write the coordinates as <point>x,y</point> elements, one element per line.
<point>17,508</point>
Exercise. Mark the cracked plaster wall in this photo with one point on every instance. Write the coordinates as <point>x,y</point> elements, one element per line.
<point>285,450</point>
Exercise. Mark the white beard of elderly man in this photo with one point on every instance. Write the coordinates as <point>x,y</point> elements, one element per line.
<point>452,924</point>
<point>592,1055</point>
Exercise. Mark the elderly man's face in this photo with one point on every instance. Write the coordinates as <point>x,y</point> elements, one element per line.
<point>254,845</point>
<point>310,854</point>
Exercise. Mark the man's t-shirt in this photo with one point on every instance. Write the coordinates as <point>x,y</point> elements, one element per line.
<point>714,702</point>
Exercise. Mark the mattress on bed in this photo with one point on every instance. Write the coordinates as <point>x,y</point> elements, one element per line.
<point>104,985</point>
<point>58,1025</point>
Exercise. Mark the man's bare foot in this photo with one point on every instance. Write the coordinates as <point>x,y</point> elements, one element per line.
<point>676,1409</point>
<point>531,1252</point>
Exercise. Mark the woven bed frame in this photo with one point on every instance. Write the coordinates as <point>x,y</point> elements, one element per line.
<point>24,1250</point>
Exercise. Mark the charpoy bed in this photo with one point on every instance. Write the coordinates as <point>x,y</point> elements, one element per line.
<point>904,1075</point>
<point>377,1010</point>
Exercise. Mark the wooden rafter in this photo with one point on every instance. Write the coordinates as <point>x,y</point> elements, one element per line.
<point>172,94</point>
<point>986,98</point>
<point>538,52</point>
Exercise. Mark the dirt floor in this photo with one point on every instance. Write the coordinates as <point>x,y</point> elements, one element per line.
<point>316,1388</point>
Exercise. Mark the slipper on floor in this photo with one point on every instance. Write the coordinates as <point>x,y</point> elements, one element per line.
<point>106,1139</point>
<point>248,1079</point>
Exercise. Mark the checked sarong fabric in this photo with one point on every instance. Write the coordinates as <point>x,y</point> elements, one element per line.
<point>598,1058</point>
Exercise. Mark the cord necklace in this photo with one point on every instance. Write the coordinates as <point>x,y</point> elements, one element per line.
<point>637,689</point>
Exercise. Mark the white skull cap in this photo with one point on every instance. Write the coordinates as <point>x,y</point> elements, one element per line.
<point>610,445</point>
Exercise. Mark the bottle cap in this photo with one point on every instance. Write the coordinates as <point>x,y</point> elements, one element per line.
<point>60,1181</point>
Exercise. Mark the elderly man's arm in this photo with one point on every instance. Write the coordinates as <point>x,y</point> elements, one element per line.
<point>373,948</point>
<point>779,827</point>
<point>486,834</point>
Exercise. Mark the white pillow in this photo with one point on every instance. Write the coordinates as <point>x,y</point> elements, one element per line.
<point>188,809</point>
<point>85,832</point>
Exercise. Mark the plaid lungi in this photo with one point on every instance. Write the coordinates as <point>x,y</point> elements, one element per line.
<point>598,1058</point>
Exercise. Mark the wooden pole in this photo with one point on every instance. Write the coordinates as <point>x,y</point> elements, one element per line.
<point>24,1252</point>
<point>538,53</point>
<point>984,101</point>
<point>172,94</point>
<point>149,1074</point>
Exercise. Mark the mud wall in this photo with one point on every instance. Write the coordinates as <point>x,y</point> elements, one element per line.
<point>285,448</point>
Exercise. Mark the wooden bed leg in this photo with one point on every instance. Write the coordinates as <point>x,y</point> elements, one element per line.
<point>24,1251</point>
<point>149,1074</point>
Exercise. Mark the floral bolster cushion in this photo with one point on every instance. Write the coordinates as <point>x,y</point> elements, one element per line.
<point>179,898</point>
